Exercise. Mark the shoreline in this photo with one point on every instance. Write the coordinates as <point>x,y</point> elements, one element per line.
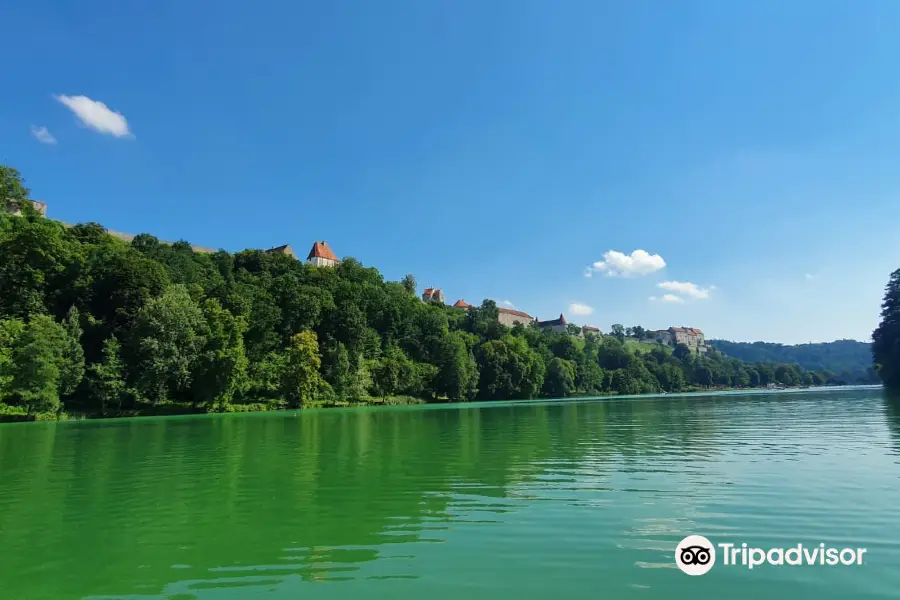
<point>143,328</point>
<point>176,410</point>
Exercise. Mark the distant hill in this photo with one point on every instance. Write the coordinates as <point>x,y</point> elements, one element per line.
<point>848,361</point>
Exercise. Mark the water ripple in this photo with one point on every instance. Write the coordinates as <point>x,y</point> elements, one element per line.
<point>570,499</point>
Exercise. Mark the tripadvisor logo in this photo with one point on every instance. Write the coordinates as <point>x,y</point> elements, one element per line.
<point>696,555</point>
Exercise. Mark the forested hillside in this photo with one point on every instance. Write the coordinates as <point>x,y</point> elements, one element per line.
<point>845,361</point>
<point>94,325</point>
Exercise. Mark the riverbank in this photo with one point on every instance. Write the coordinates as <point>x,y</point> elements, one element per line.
<point>17,414</point>
<point>142,323</point>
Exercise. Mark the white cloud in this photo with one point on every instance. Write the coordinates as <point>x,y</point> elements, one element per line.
<point>509,304</point>
<point>43,135</point>
<point>639,262</point>
<point>809,276</point>
<point>96,115</point>
<point>580,309</point>
<point>670,298</point>
<point>686,288</point>
<point>588,272</point>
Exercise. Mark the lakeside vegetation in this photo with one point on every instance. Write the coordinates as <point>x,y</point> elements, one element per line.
<point>92,325</point>
<point>886,338</point>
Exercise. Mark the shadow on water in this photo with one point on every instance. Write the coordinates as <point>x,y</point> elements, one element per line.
<point>176,508</point>
<point>891,403</point>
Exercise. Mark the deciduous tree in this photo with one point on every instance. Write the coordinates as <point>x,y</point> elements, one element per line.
<point>560,380</point>
<point>42,364</point>
<point>168,335</point>
<point>300,381</point>
<point>409,284</point>
<point>457,376</point>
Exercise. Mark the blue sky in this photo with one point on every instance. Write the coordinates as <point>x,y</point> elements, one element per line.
<point>493,149</point>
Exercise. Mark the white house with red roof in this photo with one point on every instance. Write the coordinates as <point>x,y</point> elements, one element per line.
<point>509,317</point>
<point>433,295</point>
<point>322,256</point>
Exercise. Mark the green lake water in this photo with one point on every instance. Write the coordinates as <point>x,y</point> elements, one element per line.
<point>564,500</point>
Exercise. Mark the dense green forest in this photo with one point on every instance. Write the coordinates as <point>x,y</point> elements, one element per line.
<point>886,338</point>
<point>93,325</point>
<point>842,361</point>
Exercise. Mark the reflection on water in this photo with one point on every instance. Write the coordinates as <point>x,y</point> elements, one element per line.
<point>512,500</point>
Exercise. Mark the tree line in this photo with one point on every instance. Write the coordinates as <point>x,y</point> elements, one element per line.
<point>90,324</point>
<point>843,362</point>
<point>886,337</point>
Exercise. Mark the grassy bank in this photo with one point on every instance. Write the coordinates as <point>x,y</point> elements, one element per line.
<point>17,414</point>
<point>14,414</point>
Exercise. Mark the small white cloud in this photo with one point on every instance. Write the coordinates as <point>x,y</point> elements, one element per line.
<point>639,262</point>
<point>580,309</point>
<point>686,288</point>
<point>809,276</point>
<point>509,304</point>
<point>670,298</point>
<point>43,135</point>
<point>588,272</point>
<point>96,115</point>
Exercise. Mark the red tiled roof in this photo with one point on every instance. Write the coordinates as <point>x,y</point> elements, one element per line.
<point>462,304</point>
<point>517,313</point>
<point>321,250</point>
<point>690,330</point>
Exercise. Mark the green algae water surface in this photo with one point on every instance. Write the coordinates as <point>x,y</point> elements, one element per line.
<point>567,500</point>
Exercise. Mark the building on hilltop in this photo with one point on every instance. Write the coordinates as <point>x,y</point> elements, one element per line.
<point>509,317</point>
<point>13,208</point>
<point>587,330</point>
<point>285,249</point>
<point>559,325</point>
<point>322,256</point>
<point>691,337</point>
<point>433,295</point>
<point>505,316</point>
<point>663,336</point>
